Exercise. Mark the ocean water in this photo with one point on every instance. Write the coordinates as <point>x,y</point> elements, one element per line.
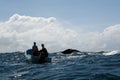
<point>75,66</point>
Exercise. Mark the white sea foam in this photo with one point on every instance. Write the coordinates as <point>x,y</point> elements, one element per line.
<point>111,53</point>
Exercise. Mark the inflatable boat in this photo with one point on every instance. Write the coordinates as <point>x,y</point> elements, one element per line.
<point>36,59</point>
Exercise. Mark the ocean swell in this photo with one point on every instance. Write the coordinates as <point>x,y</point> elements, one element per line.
<point>75,66</point>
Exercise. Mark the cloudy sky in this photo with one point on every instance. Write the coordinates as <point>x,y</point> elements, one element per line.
<point>60,24</point>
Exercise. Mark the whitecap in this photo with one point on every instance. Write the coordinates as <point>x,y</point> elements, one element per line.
<point>111,53</point>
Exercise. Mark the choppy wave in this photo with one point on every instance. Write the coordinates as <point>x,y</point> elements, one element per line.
<point>112,52</point>
<point>75,66</point>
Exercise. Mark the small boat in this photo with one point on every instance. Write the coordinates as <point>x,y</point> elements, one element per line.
<point>35,59</point>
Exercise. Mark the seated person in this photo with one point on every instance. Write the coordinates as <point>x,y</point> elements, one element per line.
<point>35,50</point>
<point>43,53</point>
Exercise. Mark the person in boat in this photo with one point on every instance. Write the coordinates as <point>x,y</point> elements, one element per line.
<point>35,49</point>
<point>43,53</point>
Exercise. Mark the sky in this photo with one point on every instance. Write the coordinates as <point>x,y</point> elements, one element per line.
<point>90,25</point>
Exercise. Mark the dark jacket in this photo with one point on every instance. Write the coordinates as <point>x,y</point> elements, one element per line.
<point>45,52</point>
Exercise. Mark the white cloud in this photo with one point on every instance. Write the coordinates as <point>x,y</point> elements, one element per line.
<point>19,33</point>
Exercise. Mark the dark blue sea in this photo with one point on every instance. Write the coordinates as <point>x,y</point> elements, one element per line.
<point>75,66</point>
